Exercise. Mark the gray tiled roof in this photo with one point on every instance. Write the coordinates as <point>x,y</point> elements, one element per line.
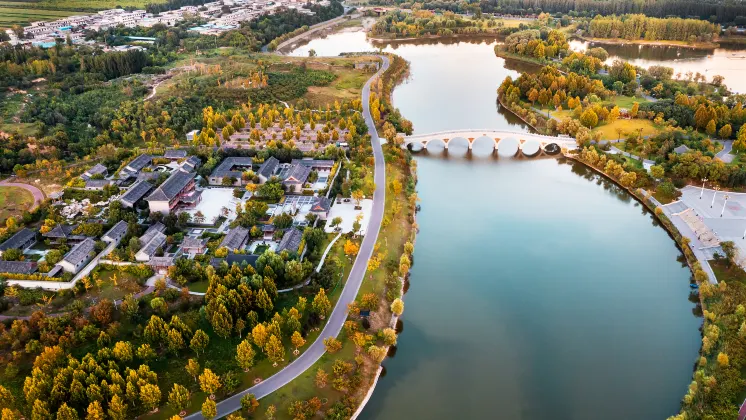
<point>314,163</point>
<point>235,238</point>
<point>80,252</point>
<point>63,231</point>
<point>175,154</point>
<point>190,242</point>
<point>118,230</point>
<point>150,247</point>
<point>681,149</point>
<point>298,174</point>
<point>150,233</point>
<point>17,267</point>
<point>172,186</point>
<point>322,204</point>
<point>96,170</point>
<point>20,238</point>
<point>269,167</point>
<point>290,240</point>
<point>140,162</point>
<point>161,262</point>
<point>226,166</point>
<point>190,164</point>
<point>97,183</point>
<point>135,193</point>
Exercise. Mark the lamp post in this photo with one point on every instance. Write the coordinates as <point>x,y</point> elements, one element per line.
<point>704,180</point>
<point>724,203</point>
<point>713,196</point>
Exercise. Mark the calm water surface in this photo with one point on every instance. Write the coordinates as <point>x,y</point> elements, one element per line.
<point>729,62</point>
<point>538,291</point>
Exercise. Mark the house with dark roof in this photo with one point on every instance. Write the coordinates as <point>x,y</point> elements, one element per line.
<point>235,239</point>
<point>315,164</point>
<point>116,233</point>
<point>178,188</point>
<point>22,239</point>
<point>18,267</point>
<point>193,245</point>
<point>149,249</point>
<point>96,184</point>
<point>295,177</point>
<point>97,169</point>
<point>231,167</point>
<point>135,166</point>
<point>135,193</point>
<point>268,169</point>
<point>268,232</point>
<point>175,154</point>
<point>65,233</point>
<point>240,259</point>
<point>681,149</point>
<point>191,164</point>
<point>321,207</point>
<point>79,256</point>
<point>150,232</point>
<point>290,240</point>
<point>161,264</point>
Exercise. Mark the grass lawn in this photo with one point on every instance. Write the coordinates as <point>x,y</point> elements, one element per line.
<point>728,273</point>
<point>609,131</point>
<point>126,283</point>
<point>627,101</point>
<point>260,249</point>
<point>513,23</point>
<point>199,286</point>
<point>347,86</point>
<point>14,201</point>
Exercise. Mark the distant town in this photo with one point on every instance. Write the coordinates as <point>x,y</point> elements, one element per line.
<point>221,16</point>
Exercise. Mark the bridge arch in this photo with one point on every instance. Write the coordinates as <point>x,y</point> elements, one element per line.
<point>483,142</point>
<point>508,147</point>
<point>552,149</point>
<point>439,143</point>
<point>459,141</point>
<point>531,148</point>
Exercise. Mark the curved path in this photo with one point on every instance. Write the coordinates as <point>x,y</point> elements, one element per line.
<point>339,314</point>
<point>37,193</point>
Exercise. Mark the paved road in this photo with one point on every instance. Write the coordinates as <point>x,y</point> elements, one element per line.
<point>339,314</point>
<point>37,193</point>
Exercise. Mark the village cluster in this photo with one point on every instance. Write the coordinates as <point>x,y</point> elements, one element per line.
<point>156,187</point>
<point>221,16</point>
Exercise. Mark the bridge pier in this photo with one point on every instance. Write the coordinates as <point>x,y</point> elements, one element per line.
<point>445,141</point>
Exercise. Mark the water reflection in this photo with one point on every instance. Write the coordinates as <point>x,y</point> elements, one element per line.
<point>727,61</point>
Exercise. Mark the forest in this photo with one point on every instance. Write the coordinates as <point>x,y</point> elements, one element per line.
<point>426,23</point>
<point>720,11</point>
<point>634,27</point>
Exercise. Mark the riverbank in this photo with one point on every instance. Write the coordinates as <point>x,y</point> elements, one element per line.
<point>290,44</point>
<point>722,352</point>
<point>660,43</point>
<point>484,36</point>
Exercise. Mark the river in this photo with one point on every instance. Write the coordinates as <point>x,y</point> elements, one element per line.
<point>539,290</point>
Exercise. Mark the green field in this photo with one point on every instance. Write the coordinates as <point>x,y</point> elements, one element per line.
<point>10,16</point>
<point>627,101</point>
<point>14,201</point>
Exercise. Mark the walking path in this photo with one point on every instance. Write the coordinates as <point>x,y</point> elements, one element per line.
<point>697,247</point>
<point>313,29</point>
<point>339,314</point>
<point>37,193</point>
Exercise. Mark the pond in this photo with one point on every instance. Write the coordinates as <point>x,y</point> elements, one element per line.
<point>538,290</point>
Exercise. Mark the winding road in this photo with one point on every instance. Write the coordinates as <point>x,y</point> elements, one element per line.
<point>339,314</point>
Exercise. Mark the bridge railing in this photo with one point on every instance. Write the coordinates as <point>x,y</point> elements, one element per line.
<point>484,132</point>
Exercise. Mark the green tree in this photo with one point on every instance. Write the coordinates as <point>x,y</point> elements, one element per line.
<point>192,368</point>
<point>725,131</point>
<point>178,398</point>
<point>321,304</point>
<point>245,355</point>
<point>711,128</point>
<point>117,408</point>
<point>199,341</point>
<point>209,409</point>
<point>65,412</point>
<point>249,403</point>
<point>209,382</point>
<point>123,351</point>
<point>397,307</point>
<point>40,411</point>
<point>589,118</point>
<point>150,395</point>
<point>95,411</point>
<point>657,171</point>
<point>274,349</point>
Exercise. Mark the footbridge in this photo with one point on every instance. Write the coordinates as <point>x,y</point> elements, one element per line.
<point>506,143</point>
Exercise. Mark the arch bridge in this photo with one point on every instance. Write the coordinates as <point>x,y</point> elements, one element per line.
<point>506,143</point>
